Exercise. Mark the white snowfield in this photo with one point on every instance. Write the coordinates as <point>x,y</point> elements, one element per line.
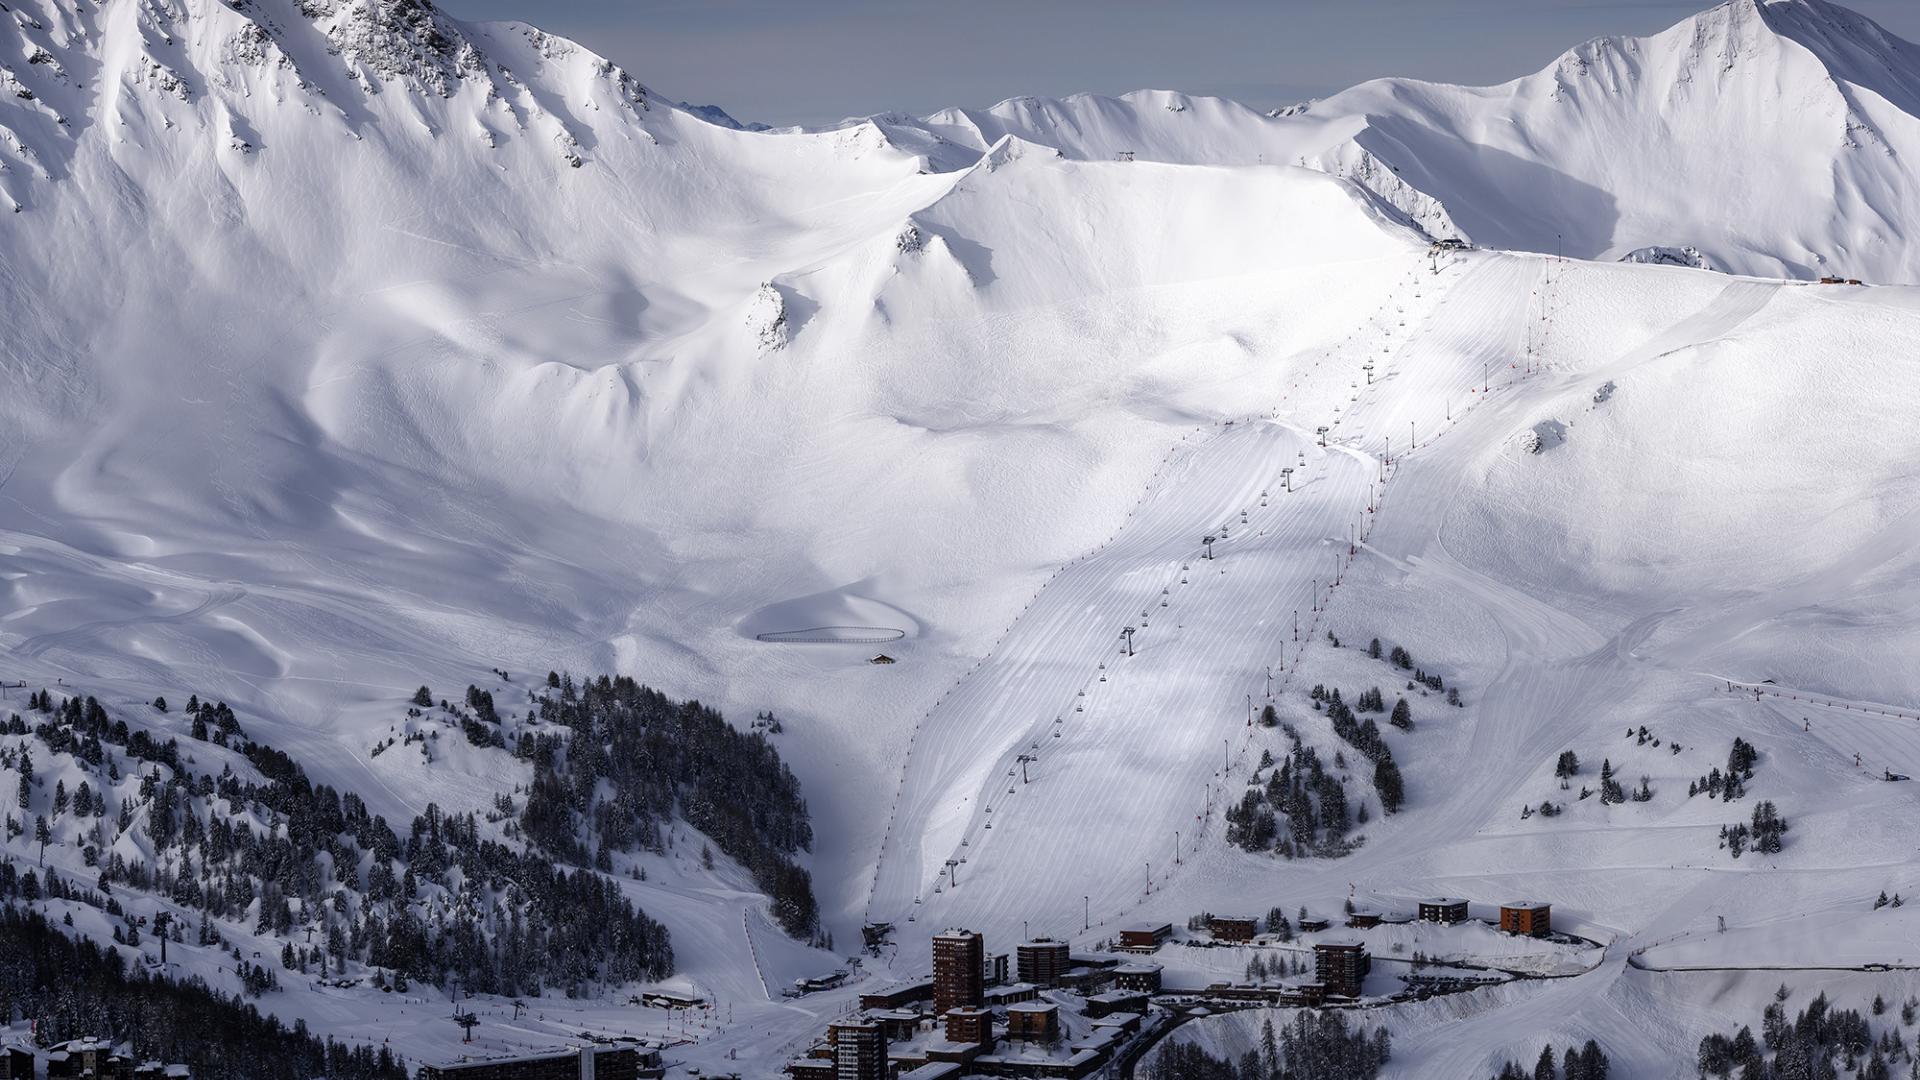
<point>341,358</point>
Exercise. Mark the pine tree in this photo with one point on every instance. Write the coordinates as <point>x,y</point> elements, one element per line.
<point>1387,782</point>
<point>1768,828</point>
<point>1595,1061</point>
<point>1610,790</point>
<point>1402,717</point>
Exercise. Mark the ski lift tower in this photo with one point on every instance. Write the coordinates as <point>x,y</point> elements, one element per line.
<point>1207,542</point>
<point>1126,635</point>
<point>1322,432</point>
<point>1286,475</point>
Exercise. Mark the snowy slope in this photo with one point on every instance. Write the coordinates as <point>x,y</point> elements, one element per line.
<point>1771,135</point>
<point>351,347</point>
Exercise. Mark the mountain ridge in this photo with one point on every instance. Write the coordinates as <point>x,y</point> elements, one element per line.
<point>1593,130</point>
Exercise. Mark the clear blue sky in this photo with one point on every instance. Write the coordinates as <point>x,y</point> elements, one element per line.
<point>791,61</point>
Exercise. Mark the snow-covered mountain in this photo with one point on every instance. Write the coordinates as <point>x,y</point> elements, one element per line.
<point>350,347</point>
<point>1775,136</point>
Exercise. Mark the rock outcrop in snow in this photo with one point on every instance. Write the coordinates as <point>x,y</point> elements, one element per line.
<point>1670,256</point>
<point>767,318</point>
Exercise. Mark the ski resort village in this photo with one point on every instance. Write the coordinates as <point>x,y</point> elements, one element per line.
<point>505,575</point>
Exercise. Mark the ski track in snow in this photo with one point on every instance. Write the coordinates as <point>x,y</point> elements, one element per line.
<point>1136,766</point>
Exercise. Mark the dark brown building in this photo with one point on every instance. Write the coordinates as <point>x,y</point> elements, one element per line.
<point>1363,919</point>
<point>1033,1021</point>
<point>971,1026</point>
<point>1042,962</point>
<point>1310,993</point>
<point>959,957</point>
<point>93,1059</point>
<point>898,996</point>
<point>1010,993</point>
<point>1341,966</point>
<point>1233,927</point>
<point>1145,938</point>
<point>1116,1001</point>
<point>1124,1023</point>
<point>1144,978</point>
<point>16,1062</point>
<point>585,1063</point>
<point>1443,909</point>
<point>810,1068</point>
<point>859,1050</point>
<point>899,1025</point>
<point>1529,917</point>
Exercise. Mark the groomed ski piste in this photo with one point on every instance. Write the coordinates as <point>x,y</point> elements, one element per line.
<point>1141,744</point>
